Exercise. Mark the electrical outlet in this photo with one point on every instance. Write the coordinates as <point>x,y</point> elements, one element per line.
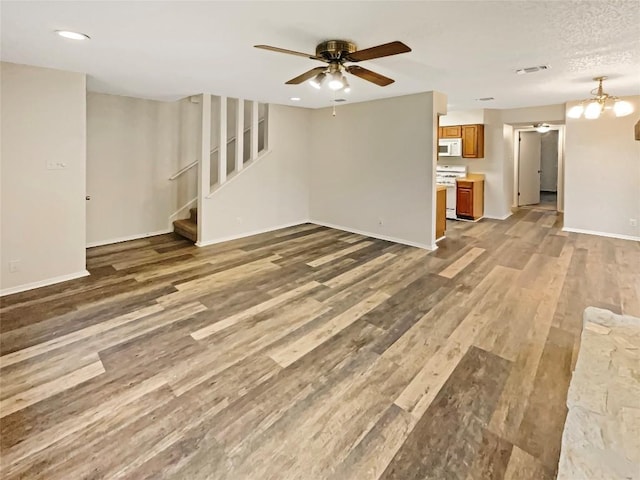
<point>633,222</point>
<point>14,266</point>
<point>239,219</point>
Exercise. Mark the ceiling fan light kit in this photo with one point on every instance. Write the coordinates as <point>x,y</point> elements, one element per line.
<point>336,53</point>
<point>592,108</point>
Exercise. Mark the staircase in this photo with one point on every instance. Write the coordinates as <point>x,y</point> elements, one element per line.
<point>188,227</point>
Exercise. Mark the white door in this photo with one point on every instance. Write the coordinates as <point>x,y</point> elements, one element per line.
<point>529,169</point>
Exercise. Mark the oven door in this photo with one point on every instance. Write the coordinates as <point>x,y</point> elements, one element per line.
<point>451,202</point>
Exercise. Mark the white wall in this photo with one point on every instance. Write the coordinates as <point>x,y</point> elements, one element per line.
<point>462,117</point>
<point>602,173</point>
<point>271,193</point>
<point>43,116</point>
<point>373,167</point>
<point>133,147</point>
<point>529,115</point>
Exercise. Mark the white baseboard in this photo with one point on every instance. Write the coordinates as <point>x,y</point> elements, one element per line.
<point>377,235</point>
<point>601,234</point>
<point>128,238</point>
<point>249,234</point>
<point>43,283</point>
<point>504,217</point>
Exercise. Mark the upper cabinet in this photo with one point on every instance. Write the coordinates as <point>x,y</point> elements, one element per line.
<point>472,138</point>
<point>454,131</point>
<point>472,141</point>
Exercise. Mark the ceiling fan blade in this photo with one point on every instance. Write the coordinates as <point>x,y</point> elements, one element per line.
<point>370,76</point>
<point>306,76</point>
<point>290,52</point>
<point>392,48</point>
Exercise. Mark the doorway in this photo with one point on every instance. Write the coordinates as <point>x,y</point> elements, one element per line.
<point>538,160</point>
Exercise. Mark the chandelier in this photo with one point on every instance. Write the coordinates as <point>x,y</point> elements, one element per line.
<point>591,108</point>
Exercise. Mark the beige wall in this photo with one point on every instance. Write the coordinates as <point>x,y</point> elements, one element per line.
<point>133,147</point>
<point>43,116</point>
<point>602,174</point>
<point>462,117</point>
<point>373,165</point>
<point>271,193</point>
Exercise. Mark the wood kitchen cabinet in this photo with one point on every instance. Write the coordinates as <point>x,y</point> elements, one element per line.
<point>454,131</point>
<point>441,211</point>
<point>470,197</point>
<point>472,141</point>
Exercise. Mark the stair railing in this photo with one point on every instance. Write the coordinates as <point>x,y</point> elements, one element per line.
<point>195,162</point>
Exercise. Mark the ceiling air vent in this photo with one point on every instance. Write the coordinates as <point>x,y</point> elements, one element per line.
<point>340,100</point>
<point>539,68</point>
<point>485,99</point>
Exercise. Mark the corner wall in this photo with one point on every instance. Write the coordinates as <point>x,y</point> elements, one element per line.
<point>43,119</point>
<point>373,167</point>
<point>602,174</point>
<point>133,147</point>
<point>273,192</point>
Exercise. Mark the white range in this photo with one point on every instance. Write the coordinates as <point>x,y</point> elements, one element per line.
<point>446,175</point>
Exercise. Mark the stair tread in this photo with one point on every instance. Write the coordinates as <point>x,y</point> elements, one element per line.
<point>186,228</point>
<point>186,224</point>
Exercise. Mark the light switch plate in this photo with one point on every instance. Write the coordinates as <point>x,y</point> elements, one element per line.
<point>53,165</point>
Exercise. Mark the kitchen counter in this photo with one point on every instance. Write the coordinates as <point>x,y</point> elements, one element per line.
<point>472,177</point>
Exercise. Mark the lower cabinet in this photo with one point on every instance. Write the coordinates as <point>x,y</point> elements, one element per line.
<point>470,199</point>
<point>441,212</point>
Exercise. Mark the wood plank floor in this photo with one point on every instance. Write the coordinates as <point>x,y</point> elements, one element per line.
<point>308,353</point>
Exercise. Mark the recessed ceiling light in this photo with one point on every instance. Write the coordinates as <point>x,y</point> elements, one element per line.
<point>72,35</point>
<point>295,99</point>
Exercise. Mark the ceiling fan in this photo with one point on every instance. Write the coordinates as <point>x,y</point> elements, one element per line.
<point>338,52</point>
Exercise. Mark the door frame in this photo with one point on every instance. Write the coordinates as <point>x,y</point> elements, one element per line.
<point>516,163</point>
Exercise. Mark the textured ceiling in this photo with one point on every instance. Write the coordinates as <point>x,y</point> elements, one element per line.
<point>466,49</point>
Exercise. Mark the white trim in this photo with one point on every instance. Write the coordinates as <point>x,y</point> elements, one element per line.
<point>184,207</point>
<point>183,169</point>
<point>601,234</point>
<point>377,235</point>
<point>128,238</point>
<point>43,283</point>
<point>249,234</point>
<point>504,217</point>
<point>195,162</point>
<point>247,165</point>
<point>560,128</point>
<point>470,220</point>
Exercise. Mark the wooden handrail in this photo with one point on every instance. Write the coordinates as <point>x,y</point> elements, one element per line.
<point>195,162</point>
<point>183,169</point>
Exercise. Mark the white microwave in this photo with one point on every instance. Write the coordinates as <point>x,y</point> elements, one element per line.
<point>450,147</point>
